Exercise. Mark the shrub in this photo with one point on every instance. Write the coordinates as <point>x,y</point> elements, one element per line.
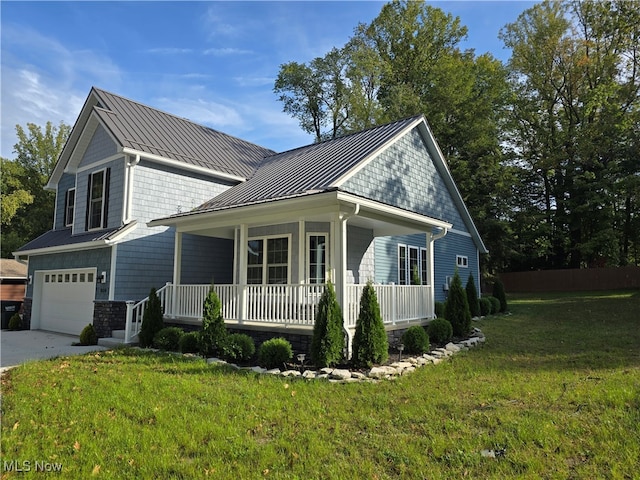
<point>370,344</point>
<point>415,340</point>
<point>439,309</point>
<point>152,321</point>
<point>88,336</point>
<point>495,305</point>
<point>456,310</point>
<point>189,342</point>
<point>327,343</point>
<point>239,348</point>
<point>498,292</point>
<point>485,306</point>
<point>168,339</point>
<point>214,334</point>
<point>274,353</point>
<point>15,322</point>
<point>472,297</point>
<point>440,330</point>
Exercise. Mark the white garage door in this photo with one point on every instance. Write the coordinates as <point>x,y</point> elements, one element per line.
<point>67,300</point>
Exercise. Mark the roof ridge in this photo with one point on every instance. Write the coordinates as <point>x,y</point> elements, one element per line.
<point>173,115</point>
<point>350,134</point>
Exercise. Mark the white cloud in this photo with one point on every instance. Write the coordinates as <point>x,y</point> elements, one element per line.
<point>169,51</point>
<point>202,111</point>
<point>222,52</point>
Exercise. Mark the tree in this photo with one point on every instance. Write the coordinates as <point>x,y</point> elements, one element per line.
<point>456,308</point>
<point>370,343</point>
<point>152,321</point>
<point>472,297</point>
<point>213,335</point>
<point>27,209</point>
<point>327,343</point>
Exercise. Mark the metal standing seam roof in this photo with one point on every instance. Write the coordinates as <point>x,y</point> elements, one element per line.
<point>152,131</point>
<point>56,238</point>
<point>307,169</point>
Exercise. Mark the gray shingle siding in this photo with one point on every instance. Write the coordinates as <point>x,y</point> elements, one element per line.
<point>100,147</point>
<point>67,181</point>
<point>405,176</point>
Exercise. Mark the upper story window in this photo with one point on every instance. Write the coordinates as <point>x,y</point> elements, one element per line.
<point>268,260</point>
<point>69,207</point>
<point>97,200</point>
<point>462,261</point>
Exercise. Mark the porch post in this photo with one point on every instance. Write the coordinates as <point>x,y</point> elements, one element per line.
<point>432,275</point>
<point>242,272</point>
<point>177,272</point>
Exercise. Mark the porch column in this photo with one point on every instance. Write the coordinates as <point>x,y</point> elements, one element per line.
<point>177,272</point>
<point>431,270</point>
<point>242,272</point>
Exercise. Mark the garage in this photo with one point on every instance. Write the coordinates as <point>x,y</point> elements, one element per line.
<point>66,299</point>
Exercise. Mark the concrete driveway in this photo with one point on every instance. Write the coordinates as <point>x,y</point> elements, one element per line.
<point>22,346</point>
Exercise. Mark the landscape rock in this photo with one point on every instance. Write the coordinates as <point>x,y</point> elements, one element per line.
<point>452,347</point>
<point>339,374</point>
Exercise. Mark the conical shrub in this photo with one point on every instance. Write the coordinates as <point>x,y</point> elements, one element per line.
<point>370,344</point>
<point>152,321</point>
<point>327,343</point>
<point>472,297</point>
<point>214,332</point>
<point>456,309</point>
<point>498,292</point>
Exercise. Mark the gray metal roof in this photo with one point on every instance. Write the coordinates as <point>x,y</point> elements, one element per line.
<point>56,238</point>
<point>309,169</point>
<point>152,131</point>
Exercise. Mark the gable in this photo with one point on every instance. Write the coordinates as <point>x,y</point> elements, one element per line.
<point>100,146</point>
<point>406,176</point>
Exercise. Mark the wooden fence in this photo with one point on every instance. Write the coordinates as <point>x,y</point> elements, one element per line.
<point>571,280</point>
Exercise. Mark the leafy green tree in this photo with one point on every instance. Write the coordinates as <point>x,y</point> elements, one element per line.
<point>27,208</point>
<point>370,343</point>
<point>152,321</point>
<point>327,343</point>
<point>456,308</point>
<point>213,335</point>
<point>472,297</point>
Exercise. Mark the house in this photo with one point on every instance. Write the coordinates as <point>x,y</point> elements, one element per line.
<point>147,199</point>
<point>13,282</point>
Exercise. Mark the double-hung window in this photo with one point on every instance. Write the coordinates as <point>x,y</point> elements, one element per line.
<point>69,207</point>
<point>96,200</point>
<point>268,260</point>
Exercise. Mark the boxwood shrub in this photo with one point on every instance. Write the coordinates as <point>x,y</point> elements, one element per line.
<point>239,348</point>
<point>88,336</point>
<point>415,340</point>
<point>15,322</point>
<point>189,342</point>
<point>168,339</point>
<point>440,330</point>
<point>274,353</point>
<point>495,305</point>
<point>485,306</point>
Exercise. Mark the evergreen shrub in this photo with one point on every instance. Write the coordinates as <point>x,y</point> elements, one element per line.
<point>415,340</point>
<point>15,322</point>
<point>213,335</point>
<point>189,342</point>
<point>327,343</point>
<point>440,330</point>
<point>456,309</point>
<point>495,305</point>
<point>472,297</point>
<point>152,321</point>
<point>485,306</point>
<point>274,353</point>
<point>168,339</point>
<point>239,347</point>
<point>439,309</point>
<point>88,336</point>
<point>370,343</point>
<point>498,292</point>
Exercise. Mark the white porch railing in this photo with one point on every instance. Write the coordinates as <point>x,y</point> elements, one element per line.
<point>289,305</point>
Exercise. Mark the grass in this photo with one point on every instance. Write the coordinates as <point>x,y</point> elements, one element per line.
<point>557,387</point>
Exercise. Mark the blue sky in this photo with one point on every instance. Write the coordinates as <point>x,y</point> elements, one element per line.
<point>212,62</point>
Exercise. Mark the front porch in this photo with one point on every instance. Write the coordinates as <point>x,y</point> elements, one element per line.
<point>291,306</point>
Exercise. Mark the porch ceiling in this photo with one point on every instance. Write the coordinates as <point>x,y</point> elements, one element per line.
<point>318,207</point>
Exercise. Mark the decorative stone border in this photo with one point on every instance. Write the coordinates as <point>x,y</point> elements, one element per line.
<point>383,372</point>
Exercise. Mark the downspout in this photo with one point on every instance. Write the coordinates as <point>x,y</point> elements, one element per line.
<point>126,213</point>
<point>343,271</point>
<point>432,238</point>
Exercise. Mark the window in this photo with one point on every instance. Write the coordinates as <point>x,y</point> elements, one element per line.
<point>69,207</point>
<point>414,269</point>
<point>402,264</point>
<point>317,246</point>
<point>424,267</point>
<point>268,260</point>
<point>462,261</point>
<point>97,200</point>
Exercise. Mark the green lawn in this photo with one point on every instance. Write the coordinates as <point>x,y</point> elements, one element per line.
<point>556,386</point>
